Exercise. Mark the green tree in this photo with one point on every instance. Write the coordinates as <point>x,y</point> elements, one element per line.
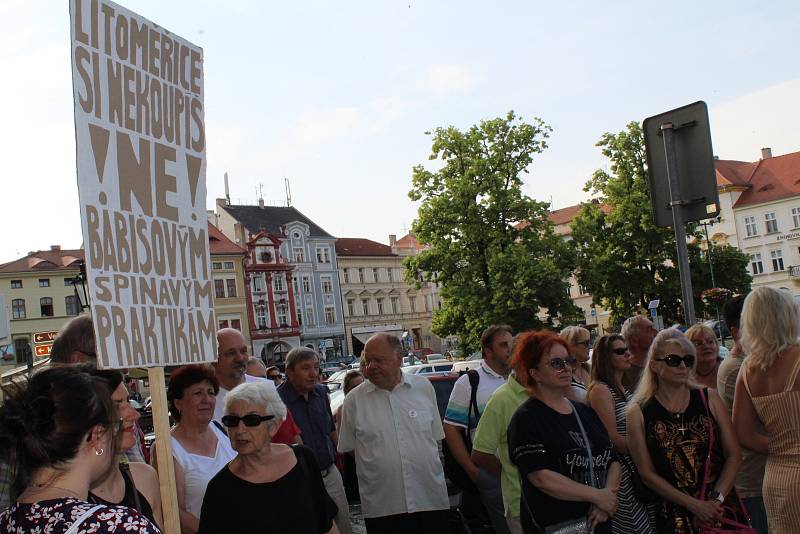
<point>491,247</point>
<point>730,272</point>
<point>622,258</point>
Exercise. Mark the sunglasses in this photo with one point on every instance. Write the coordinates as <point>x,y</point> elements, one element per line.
<point>620,351</point>
<point>559,364</point>
<point>252,419</point>
<point>274,377</point>
<point>674,360</point>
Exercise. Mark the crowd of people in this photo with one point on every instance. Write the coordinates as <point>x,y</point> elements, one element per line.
<point>639,432</point>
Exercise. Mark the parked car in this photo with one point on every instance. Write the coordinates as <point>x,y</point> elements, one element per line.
<point>466,365</point>
<point>719,327</point>
<point>435,357</point>
<point>429,368</point>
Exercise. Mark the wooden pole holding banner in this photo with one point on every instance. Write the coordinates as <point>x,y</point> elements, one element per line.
<point>166,469</point>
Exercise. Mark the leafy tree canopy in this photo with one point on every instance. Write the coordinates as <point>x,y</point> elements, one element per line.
<point>491,247</point>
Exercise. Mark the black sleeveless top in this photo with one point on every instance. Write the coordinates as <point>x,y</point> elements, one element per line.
<point>678,445</point>
<point>130,497</point>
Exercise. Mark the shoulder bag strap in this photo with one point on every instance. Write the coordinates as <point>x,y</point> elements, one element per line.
<point>707,474</point>
<point>73,529</point>
<point>474,380</point>
<point>586,443</point>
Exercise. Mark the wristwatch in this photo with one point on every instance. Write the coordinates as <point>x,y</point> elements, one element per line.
<point>714,494</point>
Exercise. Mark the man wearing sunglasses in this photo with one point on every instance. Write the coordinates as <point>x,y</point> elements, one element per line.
<point>639,333</point>
<point>308,402</point>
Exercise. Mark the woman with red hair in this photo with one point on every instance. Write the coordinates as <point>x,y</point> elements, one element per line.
<point>570,474</point>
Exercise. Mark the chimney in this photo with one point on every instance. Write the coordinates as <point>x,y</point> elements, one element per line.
<point>392,240</point>
<point>766,153</point>
<point>227,190</point>
<point>261,202</point>
<point>221,202</point>
<point>55,248</point>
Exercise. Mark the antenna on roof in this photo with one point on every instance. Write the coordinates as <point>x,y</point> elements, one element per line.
<point>288,192</point>
<point>227,190</point>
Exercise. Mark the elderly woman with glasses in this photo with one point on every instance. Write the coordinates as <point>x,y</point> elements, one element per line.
<point>565,459</point>
<point>579,339</point>
<point>674,428</point>
<point>708,358</point>
<point>268,487</point>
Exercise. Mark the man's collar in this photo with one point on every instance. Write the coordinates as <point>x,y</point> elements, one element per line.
<point>370,387</point>
<point>292,394</point>
<point>489,371</point>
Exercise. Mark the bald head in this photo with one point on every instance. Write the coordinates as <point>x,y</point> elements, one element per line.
<point>383,356</point>
<point>232,357</point>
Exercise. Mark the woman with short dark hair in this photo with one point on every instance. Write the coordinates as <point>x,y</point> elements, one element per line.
<point>569,471</point>
<point>59,432</point>
<point>199,448</point>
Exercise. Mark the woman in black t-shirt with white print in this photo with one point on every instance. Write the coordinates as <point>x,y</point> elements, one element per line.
<point>547,442</point>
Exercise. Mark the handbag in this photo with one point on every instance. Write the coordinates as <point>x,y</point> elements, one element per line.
<point>581,524</point>
<point>730,525</point>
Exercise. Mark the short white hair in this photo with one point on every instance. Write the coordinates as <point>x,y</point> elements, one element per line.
<point>630,328</point>
<point>261,393</point>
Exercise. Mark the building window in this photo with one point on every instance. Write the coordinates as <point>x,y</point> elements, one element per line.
<point>364,306</point>
<point>330,315</point>
<point>223,323</point>
<point>390,272</point>
<point>68,282</point>
<point>46,306</point>
<point>299,254</point>
<point>294,284</point>
<point>777,260</point>
<point>351,307</point>
<point>261,317</point>
<point>755,264</point>
<point>277,282</point>
<point>18,309</point>
<point>231,282</point>
<point>310,316</point>
<point>219,289</point>
<point>283,318</point>
<point>360,275</point>
<point>327,286</point>
<point>71,304</point>
<point>345,276</point>
<point>216,265</point>
<point>428,303</point>
<point>750,226</point>
<point>395,304</point>
<point>771,222</point>
<point>229,265</point>
<point>412,303</point>
<point>375,277</point>
<point>258,286</point>
<point>796,217</point>
<point>380,306</point>
<point>16,284</point>
<point>299,317</point>
<point>306,284</point>
<point>236,324</point>
<point>23,349</point>
<point>44,282</point>
<point>323,255</point>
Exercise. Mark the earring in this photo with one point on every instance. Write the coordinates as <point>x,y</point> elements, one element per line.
<point>99,452</point>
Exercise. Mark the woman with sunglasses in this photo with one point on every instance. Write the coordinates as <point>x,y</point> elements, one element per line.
<point>609,398</point>
<point>200,449</point>
<point>579,338</point>
<point>669,439</point>
<point>268,487</point>
<point>568,467</point>
<point>708,358</point>
<point>59,432</point>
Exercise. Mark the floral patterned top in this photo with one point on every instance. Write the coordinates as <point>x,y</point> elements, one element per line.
<point>55,516</point>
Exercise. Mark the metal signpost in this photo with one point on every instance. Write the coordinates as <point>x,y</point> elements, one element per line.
<point>682,180</point>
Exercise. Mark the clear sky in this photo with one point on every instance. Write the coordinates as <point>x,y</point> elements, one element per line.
<point>336,96</point>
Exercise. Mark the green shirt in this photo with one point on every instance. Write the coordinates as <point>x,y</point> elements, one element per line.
<point>491,437</point>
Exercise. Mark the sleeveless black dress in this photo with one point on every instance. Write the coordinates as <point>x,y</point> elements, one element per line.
<point>130,497</point>
<point>678,445</point>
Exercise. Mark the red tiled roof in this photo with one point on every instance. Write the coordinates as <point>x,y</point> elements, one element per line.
<point>356,246</point>
<point>564,215</point>
<point>766,180</point>
<point>45,260</point>
<point>408,241</point>
<point>218,243</point>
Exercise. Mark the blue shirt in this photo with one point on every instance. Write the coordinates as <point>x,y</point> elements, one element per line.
<point>314,418</point>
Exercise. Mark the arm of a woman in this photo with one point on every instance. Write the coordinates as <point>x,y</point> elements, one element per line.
<point>189,523</point>
<point>562,488</point>
<point>644,464</point>
<point>603,403</point>
<point>145,478</point>
<point>745,419</point>
<point>730,445</point>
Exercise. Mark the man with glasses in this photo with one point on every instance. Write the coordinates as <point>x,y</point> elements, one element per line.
<point>309,405</point>
<point>274,374</point>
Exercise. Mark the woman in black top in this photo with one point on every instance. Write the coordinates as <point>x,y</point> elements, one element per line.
<point>560,481</point>
<point>668,437</point>
<point>269,487</point>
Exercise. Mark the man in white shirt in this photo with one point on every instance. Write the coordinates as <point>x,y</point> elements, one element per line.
<point>231,364</point>
<point>391,422</point>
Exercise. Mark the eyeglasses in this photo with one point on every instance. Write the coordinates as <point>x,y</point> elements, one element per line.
<point>251,419</point>
<point>559,364</point>
<point>620,351</point>
<point>674,360</point>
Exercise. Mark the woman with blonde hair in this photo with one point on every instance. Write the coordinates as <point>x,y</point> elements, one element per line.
<point>674,430</point>
<point>578,339</point>
<point>768,397</point>
<point>708,359</point>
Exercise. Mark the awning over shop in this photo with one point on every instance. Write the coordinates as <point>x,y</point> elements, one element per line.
<point>363,333</point>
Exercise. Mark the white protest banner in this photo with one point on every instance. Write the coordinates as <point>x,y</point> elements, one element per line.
<point>139,121</point>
